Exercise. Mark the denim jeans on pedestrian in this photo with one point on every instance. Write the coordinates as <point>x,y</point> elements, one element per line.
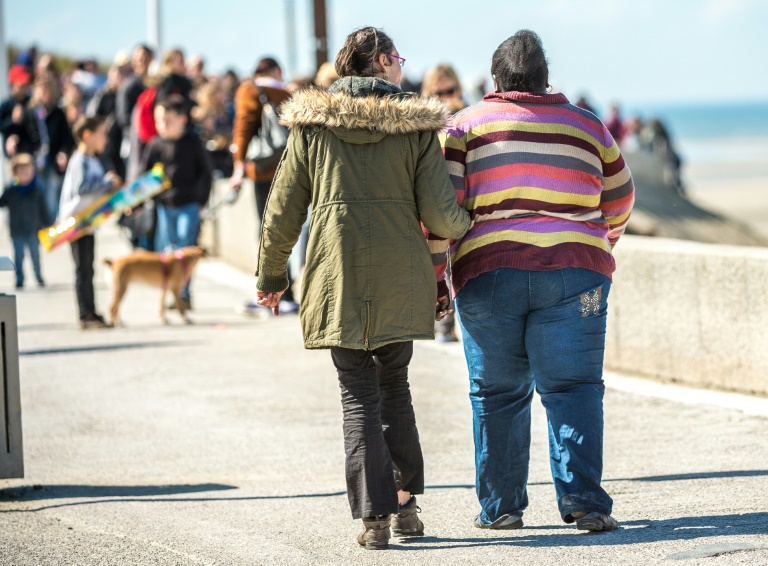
<point>51,181</point>
<point>177,227</point>
<point>545,329</point>
<point>381,441</point>
<point>29,241</point>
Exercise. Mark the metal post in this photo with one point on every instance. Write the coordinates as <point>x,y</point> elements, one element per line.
<point>4,58</point>
<point>3,81</point>
<point>153,25</point>
<point>290,37</point>
<point>11,450</point>
<point>321,34</point>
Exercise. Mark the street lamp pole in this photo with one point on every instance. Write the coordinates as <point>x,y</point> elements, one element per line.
<point>290,36</point>
<point>321,34</point>
<point>4,57</point>
<point>153,24</point>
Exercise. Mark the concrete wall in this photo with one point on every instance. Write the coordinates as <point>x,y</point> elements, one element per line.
<point>233,232</point>
<point>690,312</point>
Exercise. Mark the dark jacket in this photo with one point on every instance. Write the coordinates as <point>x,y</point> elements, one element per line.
<point>367,158</point>
<point>7,127</point>
<point>60,137</point>
<point>127,95</point>
<point>186,165</point>
<point>27,210</point>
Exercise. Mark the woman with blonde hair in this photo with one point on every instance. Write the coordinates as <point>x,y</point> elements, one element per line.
<point>442,82</point>
<point>50,136</point>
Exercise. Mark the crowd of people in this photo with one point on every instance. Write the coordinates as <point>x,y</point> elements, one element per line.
<point>529,193</point>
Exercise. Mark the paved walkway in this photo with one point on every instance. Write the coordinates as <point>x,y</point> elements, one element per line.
<point>220,443</point>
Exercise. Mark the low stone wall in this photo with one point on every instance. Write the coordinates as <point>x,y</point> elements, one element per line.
<point>690,312</point>
<point>232,234</point>
<point>678,311</point>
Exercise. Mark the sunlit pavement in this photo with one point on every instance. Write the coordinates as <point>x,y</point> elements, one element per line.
<point>220,443</point>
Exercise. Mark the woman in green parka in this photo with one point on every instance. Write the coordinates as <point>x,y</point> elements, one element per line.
<point>366,157</point>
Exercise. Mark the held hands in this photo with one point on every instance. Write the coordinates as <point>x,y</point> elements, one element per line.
<point>443,307</point>
<point>271,300</point>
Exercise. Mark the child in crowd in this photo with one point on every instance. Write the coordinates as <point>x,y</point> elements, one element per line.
<point>187,167</point>
<point>84,182</point>
<point>28,214</point>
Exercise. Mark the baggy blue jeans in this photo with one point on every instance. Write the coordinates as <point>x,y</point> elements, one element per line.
<point>177,227</point>
<point>545,329</point>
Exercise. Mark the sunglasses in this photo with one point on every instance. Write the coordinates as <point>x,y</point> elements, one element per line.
<point>401,60</point>
<point>447,92</point>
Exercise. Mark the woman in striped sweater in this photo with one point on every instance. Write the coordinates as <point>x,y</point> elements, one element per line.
<point>549,195</point>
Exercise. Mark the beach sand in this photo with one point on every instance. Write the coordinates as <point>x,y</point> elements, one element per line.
<point>734,188</point>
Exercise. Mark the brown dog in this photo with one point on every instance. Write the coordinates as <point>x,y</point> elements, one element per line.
<point>169,271</point>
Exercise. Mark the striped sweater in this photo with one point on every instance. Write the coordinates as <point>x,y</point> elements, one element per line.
<point>545,185</point>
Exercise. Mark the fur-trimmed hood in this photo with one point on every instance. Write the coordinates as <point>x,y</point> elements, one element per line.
<point>364,103</point>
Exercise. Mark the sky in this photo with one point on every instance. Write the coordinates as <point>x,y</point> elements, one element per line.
<point>637,52</point>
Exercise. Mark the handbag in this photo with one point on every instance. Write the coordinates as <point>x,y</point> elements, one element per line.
<point>266,148</point>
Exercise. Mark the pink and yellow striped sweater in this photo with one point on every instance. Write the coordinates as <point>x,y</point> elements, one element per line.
<point>544,183</point>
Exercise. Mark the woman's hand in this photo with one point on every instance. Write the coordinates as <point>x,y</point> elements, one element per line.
<point>271,300</point>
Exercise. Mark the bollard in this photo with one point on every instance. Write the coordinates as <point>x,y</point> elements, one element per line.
<point>11,455</point>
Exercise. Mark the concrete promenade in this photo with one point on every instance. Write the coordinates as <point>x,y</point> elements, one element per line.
<point>220,443</point>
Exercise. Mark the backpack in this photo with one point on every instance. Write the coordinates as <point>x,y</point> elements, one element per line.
<point>266,148</point>
<point>144,115</point>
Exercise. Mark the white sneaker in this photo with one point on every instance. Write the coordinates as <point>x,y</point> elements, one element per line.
<point>251,309</point>
<point>289,307</point>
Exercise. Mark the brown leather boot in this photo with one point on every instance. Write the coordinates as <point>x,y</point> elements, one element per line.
<point>406,523</point>
<point>376,533</point>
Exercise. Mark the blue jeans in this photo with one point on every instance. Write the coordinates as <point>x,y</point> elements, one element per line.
<point>27,241</point>
<point>177,227</point>
<point>545,329</point>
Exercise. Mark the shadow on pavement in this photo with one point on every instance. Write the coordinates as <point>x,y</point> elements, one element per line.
<point>670,477</point>
<point>121,494</point>
<point>701,476</point>
<point>41,492</point>
<point>631,532</point>
<point>105,347</point>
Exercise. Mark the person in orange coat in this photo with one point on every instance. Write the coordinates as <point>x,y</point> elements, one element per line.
<point>268,79</point>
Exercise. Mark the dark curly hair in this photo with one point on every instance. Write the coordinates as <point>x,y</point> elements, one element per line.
<point>519,64</point>
<point>361,50</point>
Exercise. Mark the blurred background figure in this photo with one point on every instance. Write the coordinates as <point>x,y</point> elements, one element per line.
<point>13,110</point>
<point>196,71</point>
<point>173,79</point>
<point>50,138</point>
<point>583,102</point>
<point>104,105</point>
<point>213,124</point>
<point>268,83</point>
<point>326,76</point>
<point>614,123</point>
<point>442,82</point>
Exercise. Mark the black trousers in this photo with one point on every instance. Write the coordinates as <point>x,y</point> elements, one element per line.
<point>83,252</point>
<point>262,192</point>
<point>381,442</point>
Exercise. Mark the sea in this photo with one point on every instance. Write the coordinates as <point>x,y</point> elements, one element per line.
<point>708,135</point>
